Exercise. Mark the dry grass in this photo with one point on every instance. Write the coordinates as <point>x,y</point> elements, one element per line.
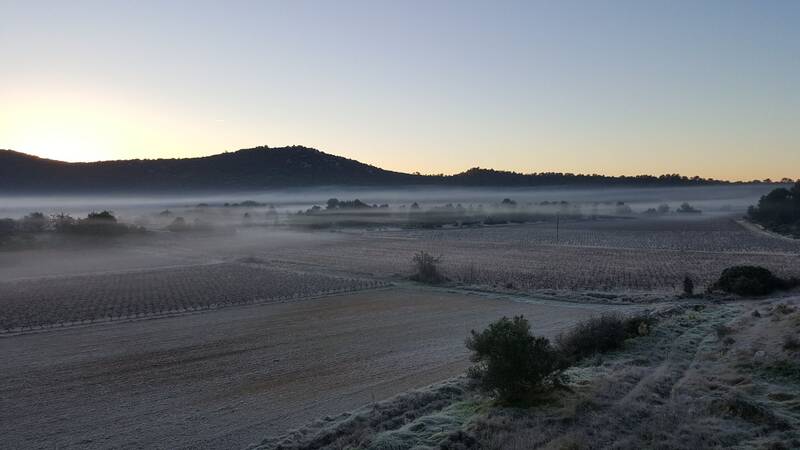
<point>671,390</point>
<point>398,422</point>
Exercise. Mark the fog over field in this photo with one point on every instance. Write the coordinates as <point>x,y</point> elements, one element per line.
<point>711,198</point>
<point>408,225</point>
<point>257,228</point>
<point>211,297</point>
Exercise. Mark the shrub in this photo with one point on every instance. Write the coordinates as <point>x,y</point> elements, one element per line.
<point>779,210</point>
<point>511,364</point>
<point>791,343</point>
<point>426,268</point>
<point>98,224</point>
<point>686,208</point>
<point>62,222</point>
<point>95,224</point>
<point>749,281</point>
<point>722,330</point>
<point>101,217</point>
<point>34,222</point>
<point>601,334</point>
<point>178,225</point>
<point>595,335</point>
<point>7,228</point>
<point>688,286</point>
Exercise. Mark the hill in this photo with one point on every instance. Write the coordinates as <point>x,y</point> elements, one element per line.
<point>264,167</point>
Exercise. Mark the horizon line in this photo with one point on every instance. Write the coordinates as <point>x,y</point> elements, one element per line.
<point>782,180</point>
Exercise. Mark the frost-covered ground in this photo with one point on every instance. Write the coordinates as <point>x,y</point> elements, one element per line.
<point>227,378</point>
<point>707,376</point>
<point>620,255</point>
<point>252,338</point>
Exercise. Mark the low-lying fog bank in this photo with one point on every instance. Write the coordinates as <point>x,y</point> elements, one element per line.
<point>707,198</point>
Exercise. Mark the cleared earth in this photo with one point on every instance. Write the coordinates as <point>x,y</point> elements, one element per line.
<point>231,377</point>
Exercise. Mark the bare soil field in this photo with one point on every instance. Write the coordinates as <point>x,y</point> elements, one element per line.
<point>706,376</point>
<point>229,378</point>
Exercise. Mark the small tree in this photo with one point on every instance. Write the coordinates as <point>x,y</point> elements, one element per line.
<point>34,222</point>
<point>62,222</point>
<point>178,225</point>
<point>595,335</point>
<point>688,286</point>
<point>750,281</point>
<point>426,268</point>
<point>101,217</point>
<point>511,364</point>
<point>686,208</point>
<point>7,227</point>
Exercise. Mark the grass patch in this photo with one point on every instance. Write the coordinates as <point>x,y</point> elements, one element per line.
<point>740,406</point>
<point>428,430</point>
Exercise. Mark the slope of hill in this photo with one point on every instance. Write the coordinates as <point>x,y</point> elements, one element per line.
<point>259,167</point>
<point>264,167</point>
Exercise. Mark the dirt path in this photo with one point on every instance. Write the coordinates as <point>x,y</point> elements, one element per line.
<point>229,378</point>
<point>758,229</point>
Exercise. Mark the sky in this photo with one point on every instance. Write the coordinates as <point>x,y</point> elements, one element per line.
<point>709,88</point>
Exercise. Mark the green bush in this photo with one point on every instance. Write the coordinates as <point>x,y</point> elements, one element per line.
<point>513,365</point>
<point>779,210</point>
<point>749,281</point>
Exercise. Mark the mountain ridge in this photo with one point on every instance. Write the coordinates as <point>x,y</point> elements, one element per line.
<point>280,167</point>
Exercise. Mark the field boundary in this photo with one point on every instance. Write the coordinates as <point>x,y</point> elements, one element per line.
<point>586,299</point>
<point>183,312</point>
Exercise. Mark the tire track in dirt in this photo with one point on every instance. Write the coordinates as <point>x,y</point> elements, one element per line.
<point>663,378</point>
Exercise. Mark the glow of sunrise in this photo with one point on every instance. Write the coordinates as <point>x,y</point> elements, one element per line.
<point>529,86</point>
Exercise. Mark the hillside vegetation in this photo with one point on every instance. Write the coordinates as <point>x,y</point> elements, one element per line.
<point>779,211</point>
<point>263,167</point>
